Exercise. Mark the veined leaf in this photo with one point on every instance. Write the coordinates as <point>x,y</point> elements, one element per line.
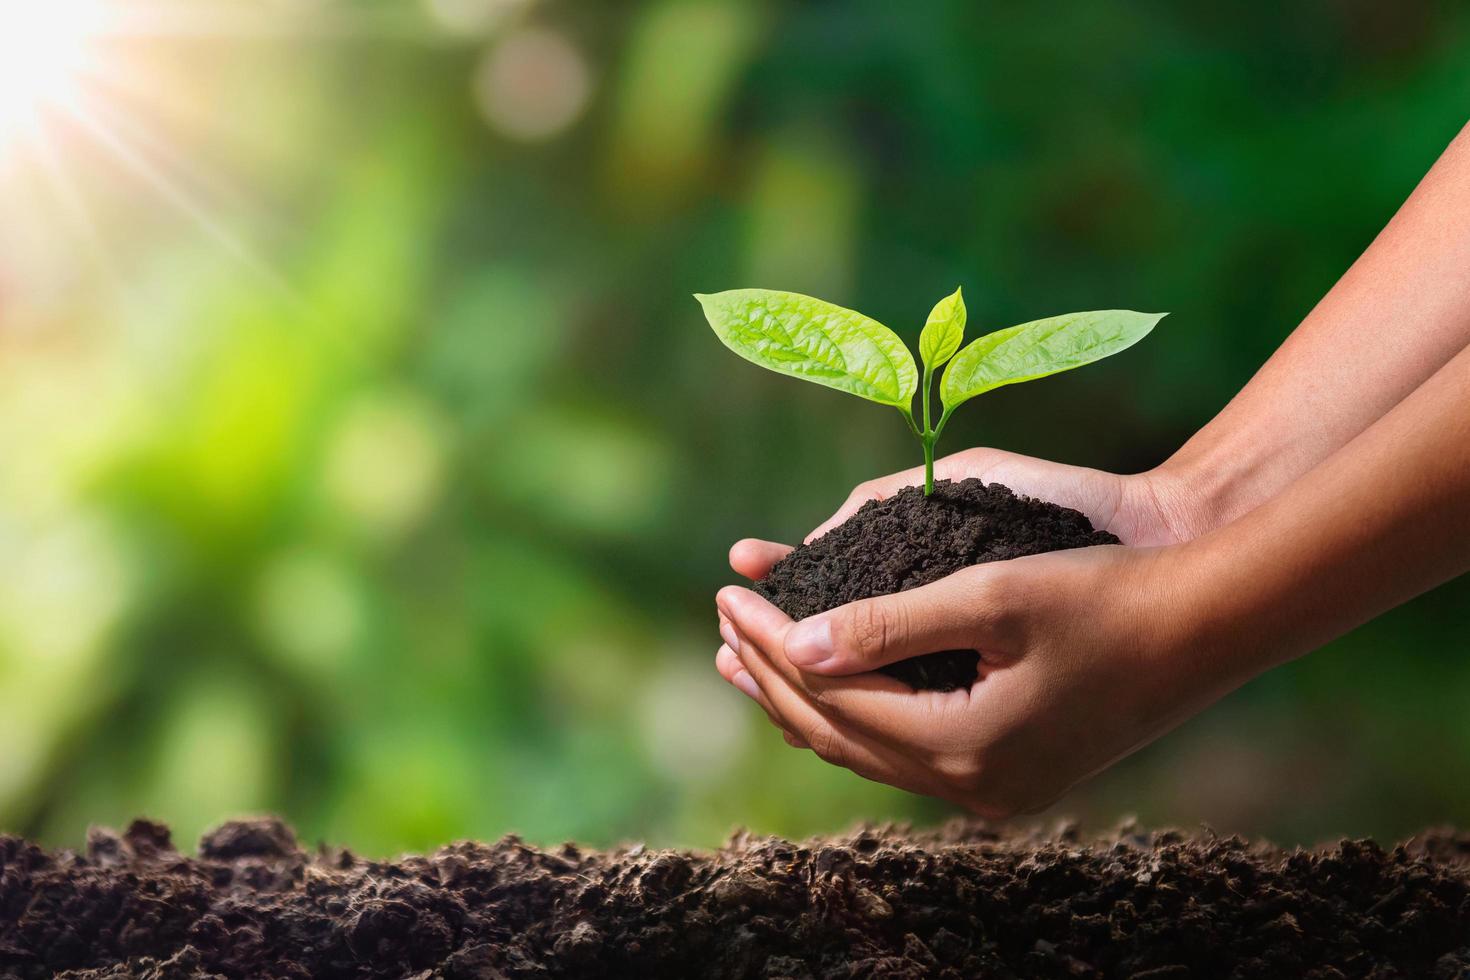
<point>808,338</point>
<point>943,331</point>
<point>1039,348</point>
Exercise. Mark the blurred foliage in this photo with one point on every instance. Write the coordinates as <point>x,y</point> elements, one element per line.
<point>366,459</point>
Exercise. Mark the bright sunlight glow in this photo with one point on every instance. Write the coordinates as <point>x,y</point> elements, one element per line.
<point>95,89</point>
<point>44,48</point>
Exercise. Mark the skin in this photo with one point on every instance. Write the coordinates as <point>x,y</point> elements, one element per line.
<point>1239,552</point>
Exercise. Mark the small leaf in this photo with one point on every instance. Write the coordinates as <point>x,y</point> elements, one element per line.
<point>943,331</point>
<point>812,339</point>
<point>1039,348</point>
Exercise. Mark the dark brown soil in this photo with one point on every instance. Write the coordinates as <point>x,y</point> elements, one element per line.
<point>965,901</point>
<point>911,540</point>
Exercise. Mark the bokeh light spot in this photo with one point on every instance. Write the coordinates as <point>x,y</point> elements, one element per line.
<point>61,589</point>
<point>533,85</point>
<point>309,609</point>
<point>385,466</point>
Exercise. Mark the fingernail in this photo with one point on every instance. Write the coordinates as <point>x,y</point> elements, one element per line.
<point>747,685</point>
<point>731,638</point>
<point>810,642</point>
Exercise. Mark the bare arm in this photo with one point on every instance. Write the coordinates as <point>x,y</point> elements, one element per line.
<point>1397,316</point>
<point>1385,518</point>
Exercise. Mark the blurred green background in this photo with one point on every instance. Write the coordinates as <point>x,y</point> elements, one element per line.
<point>364,458</point>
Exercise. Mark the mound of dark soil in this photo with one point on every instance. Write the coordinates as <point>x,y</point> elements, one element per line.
<point>911,540</point>
<point>966,901</point>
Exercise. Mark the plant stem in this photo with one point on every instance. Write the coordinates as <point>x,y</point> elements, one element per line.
<point>928,441</point>
<point>943,420</point>
<point>928,437</point>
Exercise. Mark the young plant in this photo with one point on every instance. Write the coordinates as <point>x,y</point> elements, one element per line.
<point>812,339</point>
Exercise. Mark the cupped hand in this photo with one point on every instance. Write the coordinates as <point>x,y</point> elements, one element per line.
<point>1146,509</point>
<point>1085,656</point>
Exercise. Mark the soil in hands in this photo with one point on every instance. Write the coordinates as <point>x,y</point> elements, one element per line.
<point>909,540</point>
<point>966,901</point>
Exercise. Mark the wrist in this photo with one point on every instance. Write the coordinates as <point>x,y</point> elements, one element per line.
<point>1201,623</point>
<point>1195,491</point>
<point>1224,473</point>
<point>1238,599</point>
<point>1169,506</point>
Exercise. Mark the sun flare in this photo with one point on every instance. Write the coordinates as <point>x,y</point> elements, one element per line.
<point>106,102</point>
<point>44,50</point>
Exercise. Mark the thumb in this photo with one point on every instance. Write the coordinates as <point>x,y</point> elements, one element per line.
<point>961,611</point>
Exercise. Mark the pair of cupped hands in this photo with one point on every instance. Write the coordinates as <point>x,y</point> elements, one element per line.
<point>1082,658</point>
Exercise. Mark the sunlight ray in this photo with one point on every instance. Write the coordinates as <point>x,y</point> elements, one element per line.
<point>136,98</point>
<point>188,170</point>
<point>146,170</point>
<point>84,79</point>
<point>68,196</point>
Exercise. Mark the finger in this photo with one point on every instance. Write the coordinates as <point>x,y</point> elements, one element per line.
<point>794,741</point>
<point>753,558</point>
<point>727,662</point>
<point>962,611</point>
<point>753,617</point>
<point>878,705</point>
<point>1094,493</point>
<point>908,763</point>
<point>834,743</point>
<point>730,668</point>
<point>748,615</point>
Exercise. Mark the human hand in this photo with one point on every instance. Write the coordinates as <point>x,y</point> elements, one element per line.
<point>1150,508</point>
<point>1085,656</point>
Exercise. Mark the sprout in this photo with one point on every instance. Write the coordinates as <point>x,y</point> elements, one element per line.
<point>809,338</point>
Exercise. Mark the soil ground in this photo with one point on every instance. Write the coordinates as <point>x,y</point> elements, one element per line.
<point>909,540</point>
<point>965,901</point>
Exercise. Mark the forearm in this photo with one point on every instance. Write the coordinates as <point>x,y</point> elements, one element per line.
<point>1383,519</point>
<point>1397,316</point>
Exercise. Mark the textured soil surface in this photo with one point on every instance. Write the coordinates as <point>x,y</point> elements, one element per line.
<point>909,540</point>
<point>965,901</point>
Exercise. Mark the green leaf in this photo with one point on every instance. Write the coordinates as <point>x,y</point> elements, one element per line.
<point>1039,348</point>
<point>943,331</point>
<point>808,338</point>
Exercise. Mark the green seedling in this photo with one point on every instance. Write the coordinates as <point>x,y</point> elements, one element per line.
<point>843,349</point>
